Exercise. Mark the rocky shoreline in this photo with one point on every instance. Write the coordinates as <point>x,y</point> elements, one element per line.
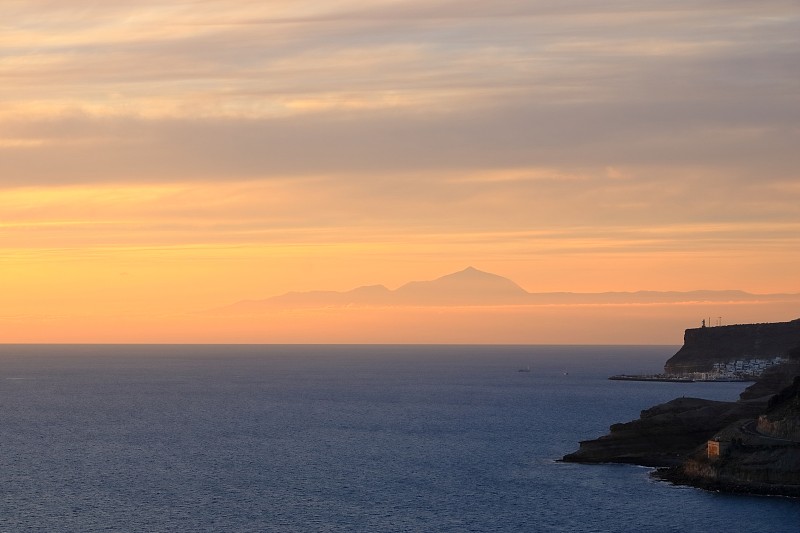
<point>664,435</point>
<point>748,446</point>
<point>676,476</point>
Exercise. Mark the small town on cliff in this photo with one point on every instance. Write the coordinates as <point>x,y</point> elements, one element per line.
<point>741,352</point>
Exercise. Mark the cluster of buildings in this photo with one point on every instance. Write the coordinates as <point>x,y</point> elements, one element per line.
<point>741,368</point>
<point>738,370</point>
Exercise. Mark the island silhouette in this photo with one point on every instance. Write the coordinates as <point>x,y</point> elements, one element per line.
<point>474,287</point>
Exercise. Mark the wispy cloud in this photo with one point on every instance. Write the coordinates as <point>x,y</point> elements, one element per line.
<point>248,58</point>
<point>575,143</point>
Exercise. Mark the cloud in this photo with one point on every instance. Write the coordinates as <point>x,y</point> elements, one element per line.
<point>249,58</point>
<point>520,132</point>
<point>435,118</point>
<point>110,92</point>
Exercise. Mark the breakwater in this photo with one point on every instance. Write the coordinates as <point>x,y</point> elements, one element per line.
<point>682,378</point>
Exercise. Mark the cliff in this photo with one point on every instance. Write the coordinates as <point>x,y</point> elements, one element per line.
<point>772,380</point>
<point>759,456</point>
<point>666,434</point>
<point>759,433</point>
<point>702,347</point>
<point>782,419</point>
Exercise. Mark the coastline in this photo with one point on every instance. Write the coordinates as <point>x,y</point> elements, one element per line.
<point>675,476</point>
<point>669,378</point>
<point>747,446</point>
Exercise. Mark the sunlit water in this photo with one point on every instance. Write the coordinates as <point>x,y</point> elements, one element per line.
<point>339,438</point>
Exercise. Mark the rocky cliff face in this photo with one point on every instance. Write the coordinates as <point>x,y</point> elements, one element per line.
<point>772,380</point>
<point>761,457</point>
<point>770,471</point>
<point>666,434</point>
<point>760,432</point>
<point>702,347</point>
<point>782,419</point>
<point>762,454</point>
<point>669,433</point>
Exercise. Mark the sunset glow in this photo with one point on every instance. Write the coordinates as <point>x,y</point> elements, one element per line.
<point>160,160</point>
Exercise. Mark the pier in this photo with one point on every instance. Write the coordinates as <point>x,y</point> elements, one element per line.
<point>740,370</point>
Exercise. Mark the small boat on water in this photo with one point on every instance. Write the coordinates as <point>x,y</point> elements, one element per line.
<point>526,369</point>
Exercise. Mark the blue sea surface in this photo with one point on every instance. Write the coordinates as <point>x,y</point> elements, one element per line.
<point>340,438</point>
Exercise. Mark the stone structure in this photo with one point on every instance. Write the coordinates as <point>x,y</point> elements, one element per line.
<point>716,448</point>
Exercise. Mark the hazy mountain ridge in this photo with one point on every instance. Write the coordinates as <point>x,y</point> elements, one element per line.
<point>473,287</point>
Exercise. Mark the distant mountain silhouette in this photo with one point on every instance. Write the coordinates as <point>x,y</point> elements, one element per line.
<point>473,287</point>
<point>469,286</point>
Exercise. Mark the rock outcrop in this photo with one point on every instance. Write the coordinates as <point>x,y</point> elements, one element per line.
<point>756,439</point>
<point>759,456</point>
<point>772,380</point>
<point>702,347</point>
<point>782,419</point>
<point>664,435</point>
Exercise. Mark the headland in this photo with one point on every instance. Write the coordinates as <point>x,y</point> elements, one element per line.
<point>751,445</point>
<point>711,349</point>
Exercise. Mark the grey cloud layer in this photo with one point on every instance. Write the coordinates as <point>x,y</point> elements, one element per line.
<point>710,86</point>
<point>714,132</point>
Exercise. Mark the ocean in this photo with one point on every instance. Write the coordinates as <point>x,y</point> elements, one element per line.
<point>340,438</point>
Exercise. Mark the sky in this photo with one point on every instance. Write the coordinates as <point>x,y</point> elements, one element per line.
<point>162,158</point>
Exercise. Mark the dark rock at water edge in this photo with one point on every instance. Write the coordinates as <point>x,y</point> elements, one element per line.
<point>758,457</point>
<point>664,435</point>
<point>676,476</point>
<point>760,434</point>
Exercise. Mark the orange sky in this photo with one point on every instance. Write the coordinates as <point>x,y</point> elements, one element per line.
<point>159,159</point>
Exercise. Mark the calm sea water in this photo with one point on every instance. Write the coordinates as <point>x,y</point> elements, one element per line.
<point>339,438</point>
